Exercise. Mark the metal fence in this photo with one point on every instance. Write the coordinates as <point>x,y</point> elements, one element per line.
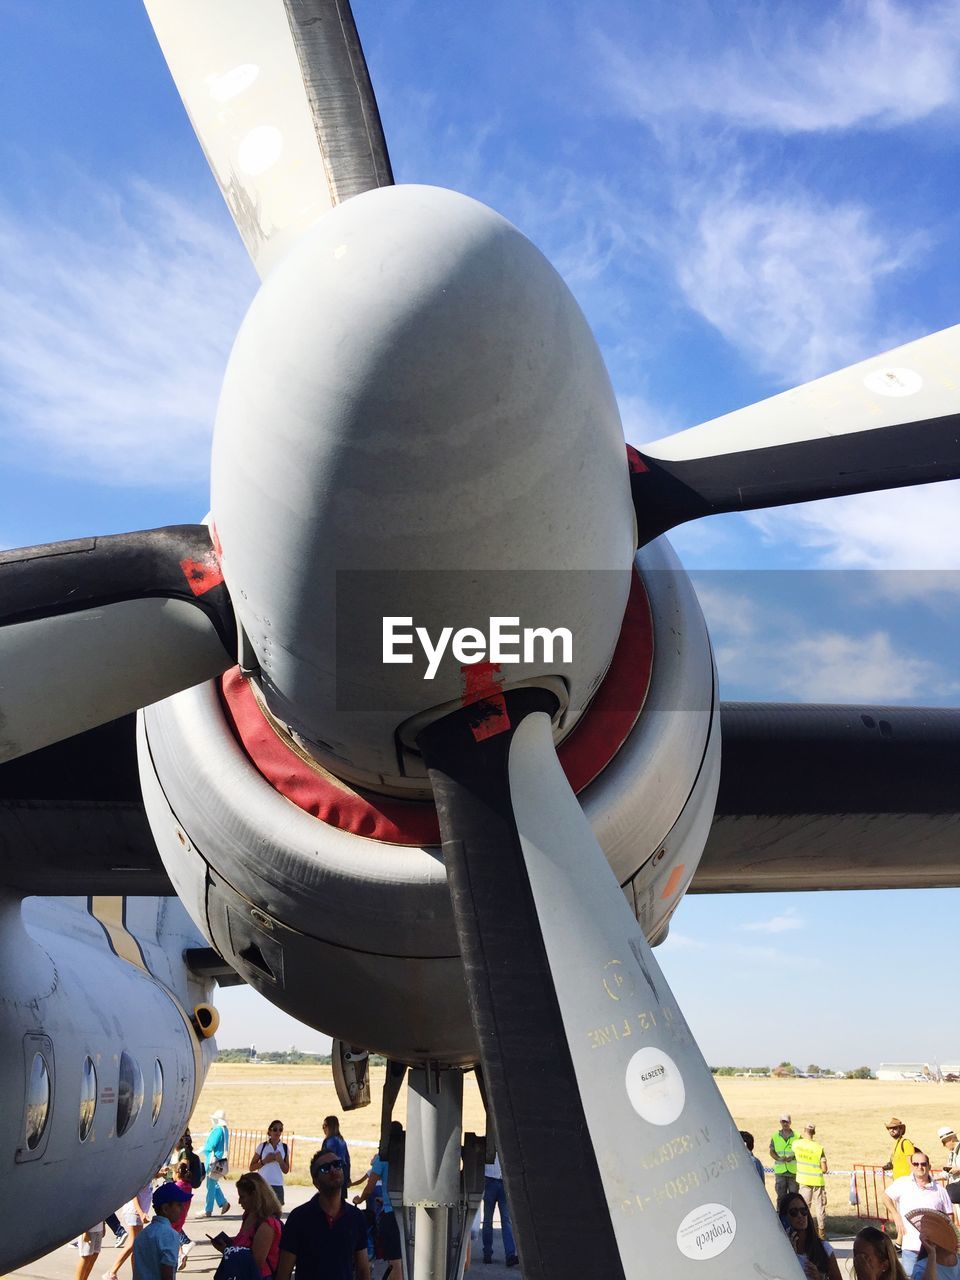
<point>871,1180</point>
<point>300,1146</point>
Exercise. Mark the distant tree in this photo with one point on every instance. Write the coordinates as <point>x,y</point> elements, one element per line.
<point>859,1073</point>
<point>292,1057</point>
<point>233,1055</point>
<point>813,1070</point>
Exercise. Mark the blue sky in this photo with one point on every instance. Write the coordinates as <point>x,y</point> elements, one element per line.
<point>742,197</point>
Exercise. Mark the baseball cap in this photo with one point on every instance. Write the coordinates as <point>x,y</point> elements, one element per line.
<point>170,1193</point>
<point>809,1128</point>
<point>784,1119</point>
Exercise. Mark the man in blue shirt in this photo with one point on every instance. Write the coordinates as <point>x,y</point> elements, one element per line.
<point>156,1248</point>
<point>748,1143</point>
<point>326,1238</point>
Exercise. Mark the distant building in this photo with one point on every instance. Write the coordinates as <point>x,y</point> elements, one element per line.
<point>924,1071</point>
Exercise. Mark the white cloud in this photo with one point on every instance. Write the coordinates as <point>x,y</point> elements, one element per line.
<point>680,942</point>
<point>775,650</point>
<point>837,667</point>
<point>643,420</point>
<point>772,955</point>
<point>866,63</point>
<point>790,281</point>
<point>115,333</point>
<point>899,529</point>
<point>784,923</point>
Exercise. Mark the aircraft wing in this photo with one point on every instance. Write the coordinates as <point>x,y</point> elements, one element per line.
<point>72,819</point>
<point>280,99</point>
<point>811,797</point>
<point>835,797</point>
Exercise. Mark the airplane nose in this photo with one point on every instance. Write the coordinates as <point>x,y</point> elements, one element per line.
<point>416,422</point>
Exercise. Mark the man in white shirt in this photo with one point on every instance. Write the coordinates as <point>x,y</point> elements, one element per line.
<point>919,1191</point>
<point>495,1197</point>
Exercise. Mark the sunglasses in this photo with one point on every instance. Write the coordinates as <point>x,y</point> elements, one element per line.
<point>798,1213</point>
<point>920,1164</point>
<point>275,1128</point>
<point>331,1164</point>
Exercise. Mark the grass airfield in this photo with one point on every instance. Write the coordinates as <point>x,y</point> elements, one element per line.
<point>850,1115</point>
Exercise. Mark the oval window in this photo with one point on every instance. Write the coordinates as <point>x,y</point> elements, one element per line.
<point>129,1092</point>
<point>88,1098</point>
<point>38,1101</point>
<point>157,1092</point>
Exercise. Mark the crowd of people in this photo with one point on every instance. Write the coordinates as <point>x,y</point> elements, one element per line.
<point>333,1235</point>
<point>922,1204</point>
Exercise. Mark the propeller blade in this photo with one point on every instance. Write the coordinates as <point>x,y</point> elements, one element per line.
<point>280,99</point>
<point>95,628</point>
<point>881,424</point>
<point>593,1076</point>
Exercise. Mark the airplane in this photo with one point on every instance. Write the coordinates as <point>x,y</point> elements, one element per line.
<point>416,425</point>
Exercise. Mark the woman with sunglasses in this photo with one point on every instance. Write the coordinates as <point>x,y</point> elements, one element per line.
<point>816,1256</point>
<point>272,1159</point>
<point>260,1229</point>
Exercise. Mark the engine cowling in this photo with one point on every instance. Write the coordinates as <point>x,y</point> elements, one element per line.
<point>352,933</point>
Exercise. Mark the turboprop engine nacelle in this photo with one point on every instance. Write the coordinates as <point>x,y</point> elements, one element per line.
<point>334,903</point>
<point>416,424</point>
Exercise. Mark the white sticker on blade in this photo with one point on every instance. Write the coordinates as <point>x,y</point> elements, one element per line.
<point>893,382</point>
<point>706,1231</point>
<point>655,1086</point>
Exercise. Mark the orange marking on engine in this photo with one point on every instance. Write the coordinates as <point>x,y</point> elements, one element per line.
<point>671,888</point>
<point>482,694</point>
<point>202,575</point>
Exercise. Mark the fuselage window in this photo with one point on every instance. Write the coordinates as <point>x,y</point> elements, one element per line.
<point>129,1092</point>
<point>157,1091</point>
<point>38,1101</point>
<point>88,1098</point>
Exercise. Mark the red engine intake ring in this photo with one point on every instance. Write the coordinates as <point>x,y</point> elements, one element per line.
<point>584,754</point>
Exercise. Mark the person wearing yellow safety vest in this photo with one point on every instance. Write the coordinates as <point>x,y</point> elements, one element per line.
<point>811,1166</point>
<point>781,1153</point>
